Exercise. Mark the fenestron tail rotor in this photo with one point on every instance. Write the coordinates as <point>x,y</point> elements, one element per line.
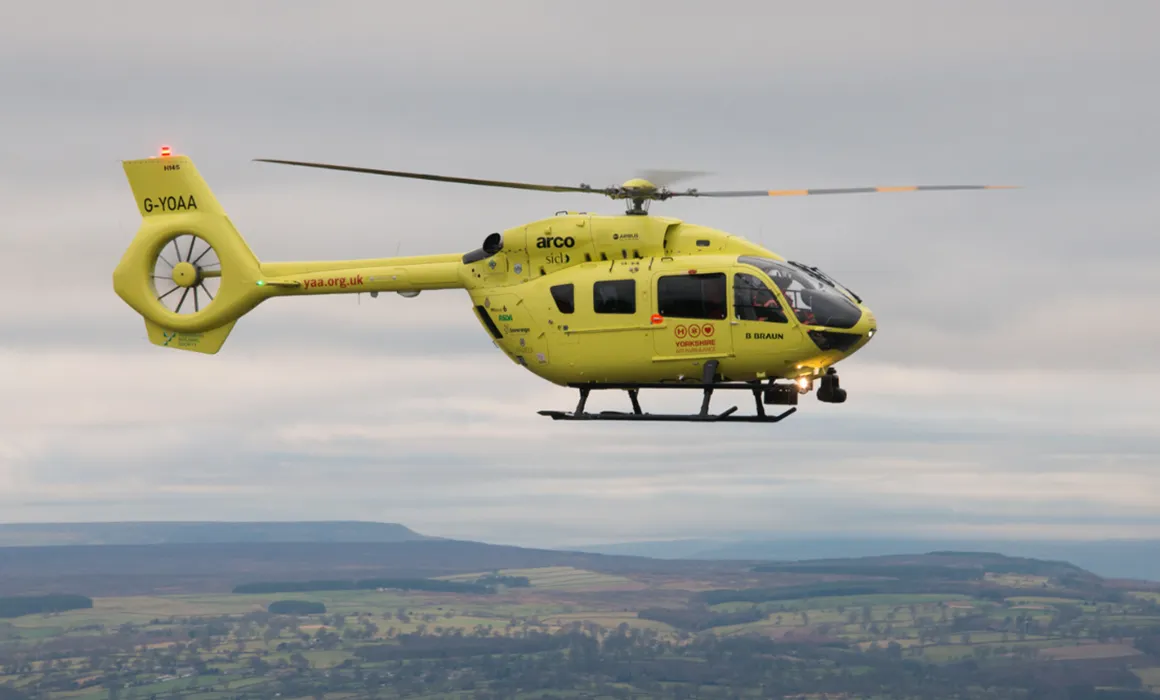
<point>187,274</point>
<point>641,190</point>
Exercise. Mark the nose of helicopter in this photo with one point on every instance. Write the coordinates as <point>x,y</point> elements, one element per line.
<point>867,327</point>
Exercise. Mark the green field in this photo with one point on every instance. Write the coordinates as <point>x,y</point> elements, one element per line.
<point>881,619</point>
<point>1017,580</point>
<point>1150,677</point>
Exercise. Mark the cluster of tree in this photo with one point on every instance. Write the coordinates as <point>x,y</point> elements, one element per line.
<point>635,663</point>
<point>895,571</point>
<point>296,607</point>
<point>1148,641</point>
<point>583,658</point>
<point>893,586</point>
<point>509,581</point>
<point>1003,564</point>
<point>457,644</point>
<point>696,619</point>
<point>821,590</point>
<point>370,584</point>
<point>1071,677</point>
<point>16,606</point>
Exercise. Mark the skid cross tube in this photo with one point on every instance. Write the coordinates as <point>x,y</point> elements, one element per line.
<point>708,385</point>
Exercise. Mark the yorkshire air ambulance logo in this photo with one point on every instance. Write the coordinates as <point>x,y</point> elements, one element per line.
<point>694,330</point>
<point>695,338</point>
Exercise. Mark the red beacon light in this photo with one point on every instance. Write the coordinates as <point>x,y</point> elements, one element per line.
<point>165,151</point>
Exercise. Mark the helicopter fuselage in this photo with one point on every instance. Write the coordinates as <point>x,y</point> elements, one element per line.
<point>580,298</point>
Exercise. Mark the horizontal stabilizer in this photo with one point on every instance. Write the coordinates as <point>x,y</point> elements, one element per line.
<point>208,342</point>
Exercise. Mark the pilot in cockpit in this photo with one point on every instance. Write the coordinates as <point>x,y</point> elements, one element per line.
<point>765,306</point>
<point>800,309</point>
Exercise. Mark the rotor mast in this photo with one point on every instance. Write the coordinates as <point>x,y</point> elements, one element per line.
<point>637,194</point>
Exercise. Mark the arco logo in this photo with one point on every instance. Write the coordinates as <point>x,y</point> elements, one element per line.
<point>555,242</point>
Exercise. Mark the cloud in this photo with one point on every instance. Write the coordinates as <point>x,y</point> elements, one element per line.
<point>1012,388</point>
<point>601,40</point>
<point>284,435</point>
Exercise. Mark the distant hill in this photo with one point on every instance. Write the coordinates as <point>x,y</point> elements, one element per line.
<point>134,558</point>
<point>208,567</point>
<point>124,533</point>
<point>956,565</point>
<point>1134,559</point>
<point>664,549</point>
<point>153,569</point>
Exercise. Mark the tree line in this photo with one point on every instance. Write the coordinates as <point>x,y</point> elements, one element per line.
<point>17,606</point>
<point>296,607</point>
<point>370,584</point>
<point>831,589</point>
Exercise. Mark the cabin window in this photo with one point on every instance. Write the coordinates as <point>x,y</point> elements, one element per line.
<point>614,297</point>
<point>753,301</point>
<point>692,296</point>
<point>564,296</point>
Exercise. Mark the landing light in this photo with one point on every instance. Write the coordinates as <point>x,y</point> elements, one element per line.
<point>803,383</point>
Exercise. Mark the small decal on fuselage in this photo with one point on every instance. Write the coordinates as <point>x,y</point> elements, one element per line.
<point>765,336</point>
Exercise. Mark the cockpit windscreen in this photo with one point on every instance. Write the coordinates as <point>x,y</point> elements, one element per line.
<point>816,300</point>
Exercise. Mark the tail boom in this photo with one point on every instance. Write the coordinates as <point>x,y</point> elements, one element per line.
<point>175,203</point>
<point>407,274</point>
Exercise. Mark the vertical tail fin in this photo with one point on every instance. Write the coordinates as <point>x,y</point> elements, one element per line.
<point>188,271</point>
<point>190,274</point>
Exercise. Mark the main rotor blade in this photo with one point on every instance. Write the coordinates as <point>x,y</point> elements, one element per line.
<point>437,178</point>
<point>840,190</point>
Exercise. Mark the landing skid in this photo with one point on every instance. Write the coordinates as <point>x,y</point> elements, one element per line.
<point>708,385</point>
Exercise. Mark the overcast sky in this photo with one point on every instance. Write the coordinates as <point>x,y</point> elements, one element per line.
<point>1012,390</point>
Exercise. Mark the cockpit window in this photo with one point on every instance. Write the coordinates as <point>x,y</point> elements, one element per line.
<point>753,301</point>
<point>814,299</point>
<point>826,279</point>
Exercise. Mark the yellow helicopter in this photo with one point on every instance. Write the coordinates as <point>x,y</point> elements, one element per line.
<point>586,301</point>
